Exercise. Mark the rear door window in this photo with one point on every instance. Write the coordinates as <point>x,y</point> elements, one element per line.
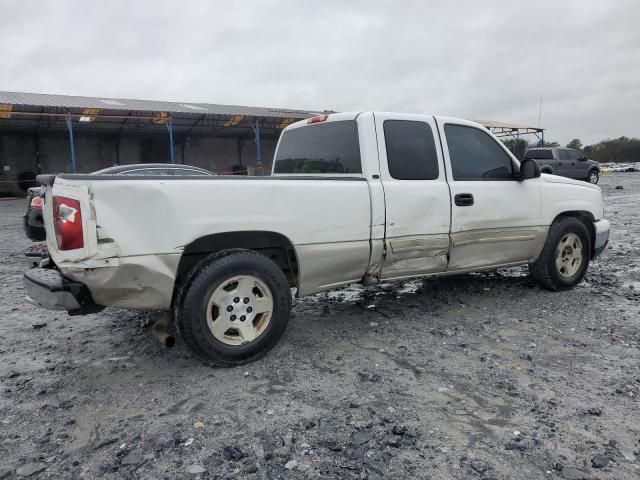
<point>325,148</point>
<point>563,154</point>
<point>475,155</point>
<point>411,150</point>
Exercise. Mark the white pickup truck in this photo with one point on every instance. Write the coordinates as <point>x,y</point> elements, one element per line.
<point>353,197</point>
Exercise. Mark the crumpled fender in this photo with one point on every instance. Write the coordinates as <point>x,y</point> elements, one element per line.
<point>142,282</point>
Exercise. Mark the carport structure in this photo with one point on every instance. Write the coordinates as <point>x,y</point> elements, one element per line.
<point>170,123</point>
<point>512,130</point>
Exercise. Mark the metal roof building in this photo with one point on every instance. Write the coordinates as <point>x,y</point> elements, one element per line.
<point>27,110</point>
<point>132,131</point>
<point>60,133</point>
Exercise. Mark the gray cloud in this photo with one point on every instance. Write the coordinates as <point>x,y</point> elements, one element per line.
<point>486,60</point>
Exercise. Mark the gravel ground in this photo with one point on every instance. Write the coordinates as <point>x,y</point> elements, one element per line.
<point>478,376</point>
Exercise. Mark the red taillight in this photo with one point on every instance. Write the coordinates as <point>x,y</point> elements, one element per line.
<point>37,202</point>
<point>67,221</point>
<point>318,119</point>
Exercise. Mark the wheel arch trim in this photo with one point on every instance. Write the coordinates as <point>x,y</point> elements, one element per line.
<point>587,218</point>
<point>274,245</point>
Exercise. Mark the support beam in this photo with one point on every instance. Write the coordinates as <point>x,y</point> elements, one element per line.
<point>170,128</point>
<point>240,145</point>
<point>259,169</point>
<point>71,144</point>
<point>39,168</point>
<point>36,138</point>
<point>118,138</point>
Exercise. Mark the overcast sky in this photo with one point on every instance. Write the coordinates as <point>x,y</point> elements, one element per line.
<point>473,59</point>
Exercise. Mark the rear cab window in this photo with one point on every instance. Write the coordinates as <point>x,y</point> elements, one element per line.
<point>328,148</point>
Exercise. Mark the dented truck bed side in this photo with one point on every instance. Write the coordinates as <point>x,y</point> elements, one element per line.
<point>138,228</point>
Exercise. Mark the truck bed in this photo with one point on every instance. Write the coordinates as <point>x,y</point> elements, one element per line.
<point>148,222</point>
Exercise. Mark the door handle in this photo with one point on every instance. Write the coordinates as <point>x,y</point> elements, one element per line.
<point>463,199</point>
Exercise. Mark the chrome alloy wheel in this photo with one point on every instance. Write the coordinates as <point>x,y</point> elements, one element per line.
<point>239,310</point>
<point>569,255</point>
<point>593,177</point>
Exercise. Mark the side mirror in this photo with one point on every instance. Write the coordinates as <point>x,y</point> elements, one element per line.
<point>583,159</point>
<point>529,168</point>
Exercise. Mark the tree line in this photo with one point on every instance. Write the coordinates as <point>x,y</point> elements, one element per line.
<point>618,150</point>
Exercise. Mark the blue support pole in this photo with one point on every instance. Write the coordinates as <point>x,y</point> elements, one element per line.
<point>170,128</point>
<point>71,144</point>
<point>259,171</point>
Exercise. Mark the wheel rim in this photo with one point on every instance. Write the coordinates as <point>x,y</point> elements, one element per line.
<point>593,177</point>
<point>569,255</point>
<point>239,310</point>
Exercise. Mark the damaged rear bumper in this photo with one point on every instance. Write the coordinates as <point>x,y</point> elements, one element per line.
<point>49,289</point>
<point>141,282</point>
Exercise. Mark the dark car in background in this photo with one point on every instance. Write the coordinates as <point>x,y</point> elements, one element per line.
<point>33,224</point>
<point>565,162</point>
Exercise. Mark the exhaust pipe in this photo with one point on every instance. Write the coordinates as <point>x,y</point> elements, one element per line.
<point>159,331</point>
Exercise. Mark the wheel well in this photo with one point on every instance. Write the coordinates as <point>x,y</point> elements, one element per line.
<point>273,245</point>
<point>546,170</point>
<point>585,217</point>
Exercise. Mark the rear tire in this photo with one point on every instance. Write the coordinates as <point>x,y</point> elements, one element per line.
<point>565,256</point>
<point>593,177</point>
<point>233,308</point>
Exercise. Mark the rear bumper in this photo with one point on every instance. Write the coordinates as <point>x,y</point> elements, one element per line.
<point>602,228</point>
<point>49,289</point>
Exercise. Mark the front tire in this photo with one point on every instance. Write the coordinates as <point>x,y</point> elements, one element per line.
<point>594,177</point>
<point>234,308</point>
<point>565,256</point>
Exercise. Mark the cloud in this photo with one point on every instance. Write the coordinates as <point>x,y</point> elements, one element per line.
<point>487,60</point>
